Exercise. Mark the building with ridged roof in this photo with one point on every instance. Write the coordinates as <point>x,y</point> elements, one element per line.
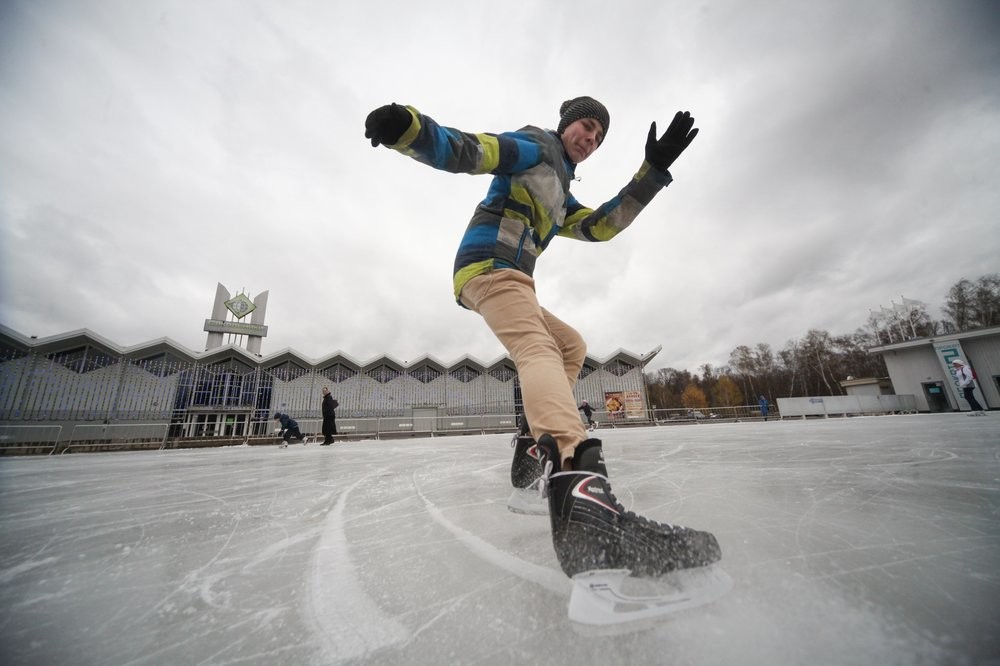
<point>228,391</point>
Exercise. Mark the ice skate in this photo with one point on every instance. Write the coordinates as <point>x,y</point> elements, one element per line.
<point>592,530</point>
<point>525,468</point>
<point>526,475</point>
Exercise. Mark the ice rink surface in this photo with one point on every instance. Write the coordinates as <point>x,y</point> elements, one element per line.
<point>869,541</point>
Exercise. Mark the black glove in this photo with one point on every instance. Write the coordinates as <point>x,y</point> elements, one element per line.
<point>661,154</point>
<point>387,123</point>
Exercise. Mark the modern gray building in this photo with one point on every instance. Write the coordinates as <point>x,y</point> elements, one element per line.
<point>228,391</point>
<point>922,368</point>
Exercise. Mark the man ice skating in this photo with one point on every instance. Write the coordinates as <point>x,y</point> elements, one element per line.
<point>527,205</point>
<point>289,428</point>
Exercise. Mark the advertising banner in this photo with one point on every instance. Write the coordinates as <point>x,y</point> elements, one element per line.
<point>622,405</point>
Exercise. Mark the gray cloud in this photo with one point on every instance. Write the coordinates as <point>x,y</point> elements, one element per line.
<point>150,150</point>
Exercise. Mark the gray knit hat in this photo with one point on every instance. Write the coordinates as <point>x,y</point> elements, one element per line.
<point>582,107</point>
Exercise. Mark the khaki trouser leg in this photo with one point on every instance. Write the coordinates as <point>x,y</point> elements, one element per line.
<point>547,352</point>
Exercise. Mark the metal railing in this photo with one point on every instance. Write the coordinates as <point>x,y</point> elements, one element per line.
<point>110,435</point>
<point>713,414</point>
<point>29,437</point>
<point>116,436</point>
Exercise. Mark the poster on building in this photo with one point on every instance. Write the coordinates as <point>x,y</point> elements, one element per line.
<point>622,405</point>
<point>947,353</point>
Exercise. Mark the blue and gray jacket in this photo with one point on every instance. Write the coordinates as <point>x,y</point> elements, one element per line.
<point>529,202</point>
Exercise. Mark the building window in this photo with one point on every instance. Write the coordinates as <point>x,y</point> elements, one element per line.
<point>619,368</point>
<point>225,384</point>
<point>8,353</point>
<point>337,373</point>
<point>425,374</point>
<point>82,359</point>
<point>464,374</point>
<point>383,374</point>
<point>161,365</point>
<point>287,371</point>
<point>503,373</point>
<point>586,370</point>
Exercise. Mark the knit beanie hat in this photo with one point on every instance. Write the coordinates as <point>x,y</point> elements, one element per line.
<point>582,107</point>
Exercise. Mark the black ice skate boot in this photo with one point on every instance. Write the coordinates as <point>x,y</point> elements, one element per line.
<point>592,530</point>
<point>526,475</point>
<point>525,469</point>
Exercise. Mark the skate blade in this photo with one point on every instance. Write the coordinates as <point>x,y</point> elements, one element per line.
<point>528,501</point>
<point>609,602</point>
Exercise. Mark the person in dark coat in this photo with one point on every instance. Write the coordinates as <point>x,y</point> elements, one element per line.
<point>329,406</point>
<point>588,411</point>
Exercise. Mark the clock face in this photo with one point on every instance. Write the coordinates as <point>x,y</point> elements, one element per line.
<point>240,306</point>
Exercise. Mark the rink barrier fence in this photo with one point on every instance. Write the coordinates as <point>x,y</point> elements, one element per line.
<point>846,405</point>
<point>90,437</point>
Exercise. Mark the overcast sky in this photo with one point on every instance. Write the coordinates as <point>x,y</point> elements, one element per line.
<point>152,149</point>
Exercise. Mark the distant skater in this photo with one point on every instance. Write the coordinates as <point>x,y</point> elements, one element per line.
<point>588,411</point>
<point>289,428</point>
<point>764,405</point>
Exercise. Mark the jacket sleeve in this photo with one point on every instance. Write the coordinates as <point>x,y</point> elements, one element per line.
<point>615,215</point>
<point>452,150</point>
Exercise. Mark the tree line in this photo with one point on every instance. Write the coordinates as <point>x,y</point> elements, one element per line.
<point>815,364</point>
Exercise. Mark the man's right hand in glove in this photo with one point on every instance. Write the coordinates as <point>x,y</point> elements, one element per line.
<point>387,123</point>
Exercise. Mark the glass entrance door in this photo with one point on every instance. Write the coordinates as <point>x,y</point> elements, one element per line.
<point>937,401</point>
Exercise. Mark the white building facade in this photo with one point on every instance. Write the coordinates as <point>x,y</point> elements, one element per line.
<point>923,368</point>
<point>227,391</point>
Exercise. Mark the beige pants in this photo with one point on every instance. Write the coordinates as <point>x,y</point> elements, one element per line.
<point>548,353</point>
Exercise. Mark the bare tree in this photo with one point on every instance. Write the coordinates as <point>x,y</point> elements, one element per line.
<point>956,306</point>
<point>971,305</point>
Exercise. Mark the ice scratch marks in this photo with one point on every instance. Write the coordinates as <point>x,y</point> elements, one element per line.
<point>543,576</point>
<point>10,573</point>
<point>346,621</point>
<point>278,548</point>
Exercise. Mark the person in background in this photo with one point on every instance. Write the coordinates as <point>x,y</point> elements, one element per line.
<point>289,428</point>
<point>588,411</point>
<point>763,406</point>
<point>328,406</point>
<point>967,382</point>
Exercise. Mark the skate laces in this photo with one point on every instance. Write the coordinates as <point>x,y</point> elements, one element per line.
<point>543,480</point>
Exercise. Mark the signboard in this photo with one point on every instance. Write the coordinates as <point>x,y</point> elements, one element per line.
<point>235,327</point>
<point>240,306</point>
<point>624,404</point>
